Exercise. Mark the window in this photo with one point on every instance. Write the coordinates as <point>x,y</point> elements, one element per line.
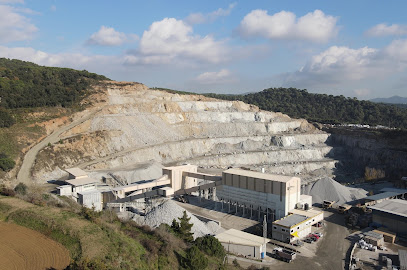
<point>292,230</point>
<point>283,230</point>
<point>274,227</point>
<point>298,227</point>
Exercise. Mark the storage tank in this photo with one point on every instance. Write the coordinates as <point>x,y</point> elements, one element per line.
<point>300,205</point>
<point>306,206</point>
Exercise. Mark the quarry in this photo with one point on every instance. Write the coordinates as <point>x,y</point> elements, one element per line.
<point>237,171</point>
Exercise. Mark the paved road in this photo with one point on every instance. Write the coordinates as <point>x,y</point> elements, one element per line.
<point>24,174</point>
<point>330,254</point>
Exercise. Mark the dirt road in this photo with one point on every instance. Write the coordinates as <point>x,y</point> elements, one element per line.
<point>24,173</point>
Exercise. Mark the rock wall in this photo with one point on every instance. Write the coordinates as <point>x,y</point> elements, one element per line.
<point>135,125</point>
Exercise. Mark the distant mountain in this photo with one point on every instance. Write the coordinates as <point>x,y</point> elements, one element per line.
<point>392,100</point>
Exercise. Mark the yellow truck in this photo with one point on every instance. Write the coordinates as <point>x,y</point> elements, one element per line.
<point>327,204</point>
<point>344,208</point>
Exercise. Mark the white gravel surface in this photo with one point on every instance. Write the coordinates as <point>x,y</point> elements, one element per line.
<point>166,212</point>
<point>329,189</point>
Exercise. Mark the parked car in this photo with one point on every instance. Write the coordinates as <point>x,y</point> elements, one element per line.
<point>308,240</point>
<point>319,234</point>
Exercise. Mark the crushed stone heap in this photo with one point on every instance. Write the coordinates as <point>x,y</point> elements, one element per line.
<point>166,212</point>
<point>328,189</point>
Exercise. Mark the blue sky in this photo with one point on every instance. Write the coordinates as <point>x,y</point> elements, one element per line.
<point>351,48</point>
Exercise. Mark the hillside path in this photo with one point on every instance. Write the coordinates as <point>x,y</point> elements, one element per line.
<point>24,174</point>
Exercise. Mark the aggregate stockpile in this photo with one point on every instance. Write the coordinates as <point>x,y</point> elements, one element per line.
<point>131,124</point>
<point>166,212</point>
<point>330,190</point>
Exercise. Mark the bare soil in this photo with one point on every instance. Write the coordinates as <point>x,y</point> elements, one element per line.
<point>22,248</point>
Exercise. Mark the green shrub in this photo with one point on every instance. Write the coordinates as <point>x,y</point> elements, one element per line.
<point>211,246</point>
<point>6,163</point>
<point>21,189</point>
<point>195,259</point>
<point>6,120</point>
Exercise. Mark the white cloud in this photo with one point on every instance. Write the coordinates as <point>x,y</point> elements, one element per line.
<point>197,18</point>
<point>53,8</point>
<point>220,77</point>
<point>12,1</point>
<point>339,66</point>
<point>73,60</point>
<point>382,30</point>
<point>314,26</point>
<point>107,36</point>
<point>14,26</point>
<point>169,39</point>
<point>363,92</point>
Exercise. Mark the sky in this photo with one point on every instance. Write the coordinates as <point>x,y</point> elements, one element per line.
<point>351,48</point>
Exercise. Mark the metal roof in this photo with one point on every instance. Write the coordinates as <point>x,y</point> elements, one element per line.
<point>291,220</point>
<point>259,175</point>
<point>81,181</point>
<point>403,258</point>
<point>373,234</point>
<point>240,238</point>
<point>383,195</point>
<point>76,172</point>
<point>308,213</point>
<point>398,190</point>
<point>393,206</point>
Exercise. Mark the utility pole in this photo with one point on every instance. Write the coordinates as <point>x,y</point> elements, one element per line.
<point>263,255</point>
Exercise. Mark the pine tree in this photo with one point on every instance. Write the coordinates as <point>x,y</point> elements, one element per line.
<point>185,228</point>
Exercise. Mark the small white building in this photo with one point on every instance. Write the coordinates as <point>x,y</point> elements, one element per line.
<point>296,225</point>
<point>91,199</point>
<point>243,244</point>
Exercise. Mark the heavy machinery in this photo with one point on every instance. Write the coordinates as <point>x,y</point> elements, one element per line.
<point>327,204</point>
<point>283,254</point>
<point>344,208</point>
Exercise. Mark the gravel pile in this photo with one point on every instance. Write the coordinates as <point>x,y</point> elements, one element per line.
<point>169,210</point>
<point>329,189</point>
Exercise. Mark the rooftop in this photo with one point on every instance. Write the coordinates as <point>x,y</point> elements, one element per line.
<point>383,195</point>
<point>308,213</point>
<point>81,181</point>
<point>76,172</point>
<point>259,175</point>
<point>393,206</point>
<point>291,220</point>
<point>240,238</point>
<point>398,190</point>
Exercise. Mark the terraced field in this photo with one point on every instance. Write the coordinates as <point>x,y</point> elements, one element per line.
<point>22,248</point>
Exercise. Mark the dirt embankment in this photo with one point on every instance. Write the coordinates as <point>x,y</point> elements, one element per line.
<point>22,248</point>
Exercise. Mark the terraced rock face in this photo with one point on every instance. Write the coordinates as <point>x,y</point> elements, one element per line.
<point>136,125</point>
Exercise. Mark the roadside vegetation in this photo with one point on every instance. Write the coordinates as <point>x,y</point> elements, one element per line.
<point>99,240</point>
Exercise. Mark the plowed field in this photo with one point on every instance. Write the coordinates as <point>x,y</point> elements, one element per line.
<point>22,248</point>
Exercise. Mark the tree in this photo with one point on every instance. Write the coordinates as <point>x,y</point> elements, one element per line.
<point>185,228</point>
<point>210,245</point>
<point>195,260</point>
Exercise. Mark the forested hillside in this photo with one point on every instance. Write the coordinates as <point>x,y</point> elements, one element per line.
<point>24,84</point>
<point>324,108</point>
<point>27,89</point>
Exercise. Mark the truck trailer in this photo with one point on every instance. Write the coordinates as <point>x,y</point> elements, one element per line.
<point>283,254</point>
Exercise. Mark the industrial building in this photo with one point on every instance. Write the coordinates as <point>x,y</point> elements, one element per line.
<point>243,244</point>
<point>260,193</point>
<point>391,214</point>
<point>296,225</point>
<point>385,194</point>
<point>78,181</point>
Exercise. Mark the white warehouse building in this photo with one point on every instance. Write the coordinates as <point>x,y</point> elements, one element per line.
<point>264,194</point>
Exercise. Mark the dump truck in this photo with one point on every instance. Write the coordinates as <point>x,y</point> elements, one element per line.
<point>283,254</point>
<point>344,208</point>
<point>327,204</point>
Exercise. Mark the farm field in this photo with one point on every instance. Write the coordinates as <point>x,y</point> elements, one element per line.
<point>22,248</point>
